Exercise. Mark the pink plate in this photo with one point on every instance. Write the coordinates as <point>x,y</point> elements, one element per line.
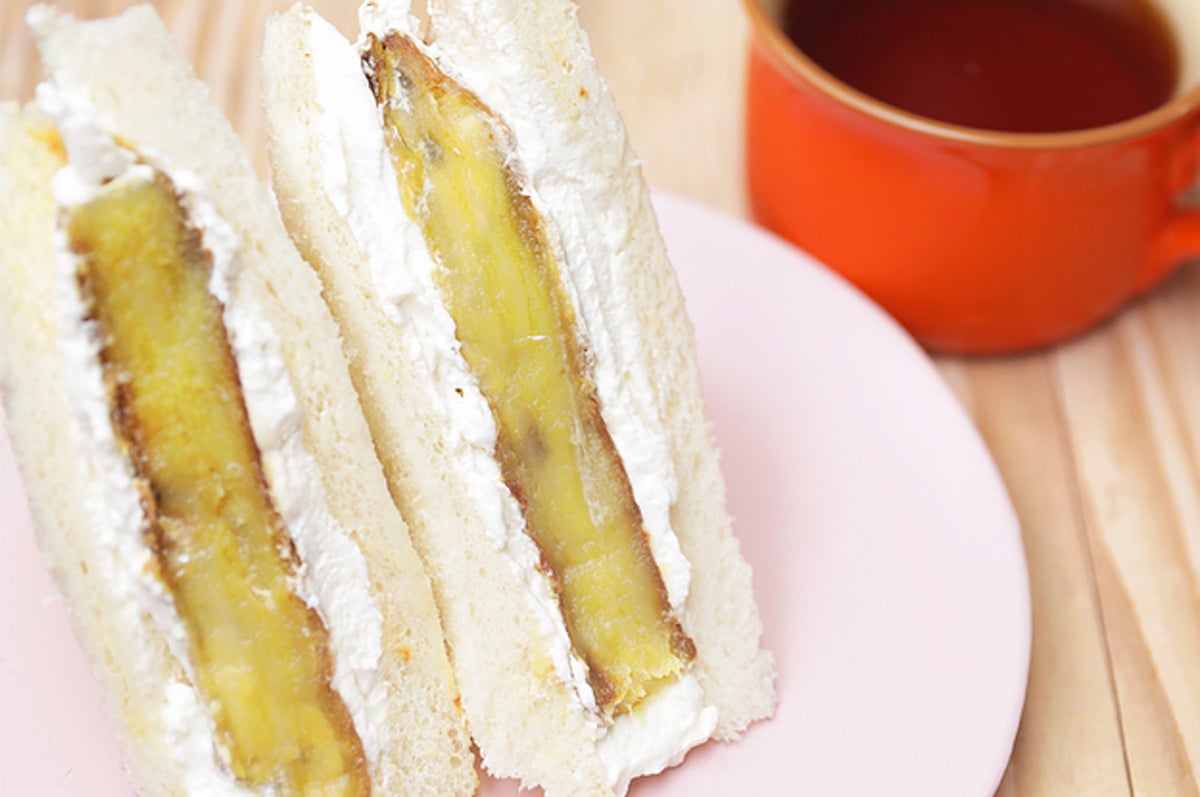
<point>887,556</point>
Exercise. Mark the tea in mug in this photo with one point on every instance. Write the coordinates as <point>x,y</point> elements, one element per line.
<point>1032,66</point>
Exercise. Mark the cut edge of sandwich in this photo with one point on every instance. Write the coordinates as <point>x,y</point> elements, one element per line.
<point>124,77</point>
<point>534,730</point>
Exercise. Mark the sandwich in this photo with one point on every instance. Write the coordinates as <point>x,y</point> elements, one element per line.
<point>202,478</point>
<point>463,185</point>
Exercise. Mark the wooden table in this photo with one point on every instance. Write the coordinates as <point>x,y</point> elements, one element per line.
<point>1098,440</point>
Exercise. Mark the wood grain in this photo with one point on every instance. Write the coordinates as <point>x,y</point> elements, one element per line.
<point>1098,440</point>
<point>1139,499</point>
<point>1069,741</point>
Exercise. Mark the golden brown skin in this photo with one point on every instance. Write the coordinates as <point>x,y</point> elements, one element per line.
<point>259,655</point>
<point>499,280</point>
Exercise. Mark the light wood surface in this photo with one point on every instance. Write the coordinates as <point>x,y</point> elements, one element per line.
<point>1098,440</point>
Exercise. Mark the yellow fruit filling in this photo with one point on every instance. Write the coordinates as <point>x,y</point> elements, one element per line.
<point>498,278</point>
<point>259,655</point>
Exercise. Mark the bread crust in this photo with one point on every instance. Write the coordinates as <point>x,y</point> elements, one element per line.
<point>525,720</point>
<point>128,70</point>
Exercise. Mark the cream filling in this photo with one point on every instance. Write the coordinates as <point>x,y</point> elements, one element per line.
<point>359,180</point>
<point>333,577</point>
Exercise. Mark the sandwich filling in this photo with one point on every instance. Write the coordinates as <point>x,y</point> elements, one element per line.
<point>498,279</point>
<point>259,655</point>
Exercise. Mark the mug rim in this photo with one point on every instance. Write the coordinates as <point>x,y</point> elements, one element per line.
<point>799,67</point>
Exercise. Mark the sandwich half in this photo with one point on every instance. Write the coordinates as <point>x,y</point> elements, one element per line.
<point>201,476</point>
<point>464,186</point>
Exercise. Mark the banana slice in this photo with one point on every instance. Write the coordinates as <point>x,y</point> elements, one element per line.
<point>259,655</point>
<point>498,279</point>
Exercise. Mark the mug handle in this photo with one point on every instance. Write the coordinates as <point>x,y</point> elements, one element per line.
<point>1179,239</point>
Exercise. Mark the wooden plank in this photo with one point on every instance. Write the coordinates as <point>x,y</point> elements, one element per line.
<point>681,97</point>
<point>1069,741</point>
<point>18,60</point>
<point>1126,391</point>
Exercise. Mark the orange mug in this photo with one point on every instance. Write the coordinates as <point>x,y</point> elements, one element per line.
<point>976,241</point>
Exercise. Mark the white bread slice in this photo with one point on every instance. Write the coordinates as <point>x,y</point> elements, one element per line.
<point>530,63</point>
<point>127,72</point>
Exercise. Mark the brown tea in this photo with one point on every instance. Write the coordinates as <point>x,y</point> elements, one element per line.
<point>1011,65</point>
